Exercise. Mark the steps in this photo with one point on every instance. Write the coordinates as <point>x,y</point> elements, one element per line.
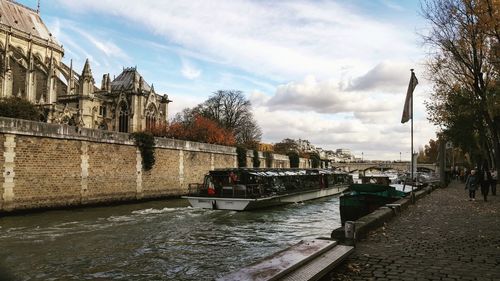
<point>307,260</point>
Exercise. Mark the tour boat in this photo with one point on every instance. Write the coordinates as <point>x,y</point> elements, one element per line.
<point>252,188</point>
<point>363,198</point>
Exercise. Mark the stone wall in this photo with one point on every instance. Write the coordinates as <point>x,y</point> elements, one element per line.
<point>47,165</point>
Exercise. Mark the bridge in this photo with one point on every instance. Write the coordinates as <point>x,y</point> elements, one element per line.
<point>382,166</point>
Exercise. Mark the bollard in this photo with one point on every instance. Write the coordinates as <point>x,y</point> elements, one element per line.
<point>350,232</point>
<point>396,208</point>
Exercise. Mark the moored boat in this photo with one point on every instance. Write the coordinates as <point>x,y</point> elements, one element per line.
<point>252,188</point>
<point>365,197</point>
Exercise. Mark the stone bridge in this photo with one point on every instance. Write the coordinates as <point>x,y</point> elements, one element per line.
<point>382,166</point>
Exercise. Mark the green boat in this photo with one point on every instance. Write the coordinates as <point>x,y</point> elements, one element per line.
<point>363,198</point>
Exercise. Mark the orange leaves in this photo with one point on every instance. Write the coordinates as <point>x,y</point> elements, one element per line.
<point>201,129</point>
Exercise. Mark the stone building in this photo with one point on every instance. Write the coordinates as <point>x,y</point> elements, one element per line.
<point>31,68</point>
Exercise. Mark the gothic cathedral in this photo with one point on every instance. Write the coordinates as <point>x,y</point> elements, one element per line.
<point>31,67</point>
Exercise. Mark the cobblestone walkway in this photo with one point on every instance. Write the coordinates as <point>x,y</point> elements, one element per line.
<point>442,237</point>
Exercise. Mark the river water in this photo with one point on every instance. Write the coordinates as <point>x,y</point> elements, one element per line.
<point>159,240</point>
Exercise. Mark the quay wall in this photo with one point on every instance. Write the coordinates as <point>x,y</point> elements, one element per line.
<point>48,165</point>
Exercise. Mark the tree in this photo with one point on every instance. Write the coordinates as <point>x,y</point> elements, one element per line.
<point>286,146</point>
<point>465,37</point>
<point>429,153</point>
<point>14,107</point>
<point>232,111</point>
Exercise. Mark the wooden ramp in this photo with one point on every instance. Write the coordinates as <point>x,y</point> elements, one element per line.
<point>307,260</point>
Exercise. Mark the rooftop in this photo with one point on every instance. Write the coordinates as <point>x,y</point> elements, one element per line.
<point>24,19</point>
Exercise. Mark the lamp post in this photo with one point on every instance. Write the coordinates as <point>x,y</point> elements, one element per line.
<point>362,157</point>
<point>400,156</point>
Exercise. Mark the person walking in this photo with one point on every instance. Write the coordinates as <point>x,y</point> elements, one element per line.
<point>485,180</point>
<point>471,184</point>
<point>494,180</point>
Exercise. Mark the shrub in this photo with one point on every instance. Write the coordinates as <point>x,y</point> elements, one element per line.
<point>315,160</point>
<point>294,159</point>
<point>242,156</point>
<point>256,160</point>
<point>19,108</point>
<point>269,159</point>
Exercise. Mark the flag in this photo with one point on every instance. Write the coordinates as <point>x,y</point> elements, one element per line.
<point>407,110</point>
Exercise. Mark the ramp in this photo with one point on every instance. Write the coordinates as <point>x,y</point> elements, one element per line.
<point>307,260</point>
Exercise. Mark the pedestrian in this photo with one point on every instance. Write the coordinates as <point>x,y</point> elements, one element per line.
<point>471,184</point>
<point>494,180</point>
<point>485,180</point>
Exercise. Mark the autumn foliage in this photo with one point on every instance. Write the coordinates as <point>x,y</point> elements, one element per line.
<point>200,129</point>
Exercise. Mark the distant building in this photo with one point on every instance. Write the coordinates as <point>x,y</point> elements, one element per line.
<point>343,151</point>
<point>31,68</point>
<point>305,146</point>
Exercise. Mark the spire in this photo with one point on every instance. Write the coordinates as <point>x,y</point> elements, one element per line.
<point>87,72</point>
<point>86,86</point>
<point>38,7</point>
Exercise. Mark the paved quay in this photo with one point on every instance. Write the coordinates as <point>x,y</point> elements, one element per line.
<point>444,236</point>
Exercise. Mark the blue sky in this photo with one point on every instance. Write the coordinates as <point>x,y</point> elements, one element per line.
<point>332,72</point>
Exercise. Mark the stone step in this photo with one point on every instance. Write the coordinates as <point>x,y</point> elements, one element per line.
<point>319,266</point>
<point>282,263</point>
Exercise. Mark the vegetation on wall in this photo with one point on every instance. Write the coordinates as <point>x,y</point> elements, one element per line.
<point>269,159</point>
<point>256,160</point>
<point>294,159</point>
<point>145,141</point>
<point>241,153</point>
<point>14,107</point>
<point>315,160</point>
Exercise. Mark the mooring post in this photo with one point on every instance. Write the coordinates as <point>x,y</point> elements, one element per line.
<point>350,232</point>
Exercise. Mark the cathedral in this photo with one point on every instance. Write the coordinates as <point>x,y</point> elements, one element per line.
<point>31,68</point>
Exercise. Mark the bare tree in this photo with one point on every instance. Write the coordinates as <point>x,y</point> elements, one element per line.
<point>232,111</point>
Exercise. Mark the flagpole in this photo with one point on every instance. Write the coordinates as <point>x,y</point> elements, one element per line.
<point>412,135</point>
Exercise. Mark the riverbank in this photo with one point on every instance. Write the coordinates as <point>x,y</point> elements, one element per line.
<point>443,236</point>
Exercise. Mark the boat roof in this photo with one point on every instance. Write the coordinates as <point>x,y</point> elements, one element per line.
<point>276,172</point>
<point>375,176</point>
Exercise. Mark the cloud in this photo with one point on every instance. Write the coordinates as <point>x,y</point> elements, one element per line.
<point>318,70</point>
<point>280,40</point>
<point>382,140</point>
<point>189,71</point>
<point>392,5</point>
<point>389,77</point>
<point>323,97</point>
<point>106,46</point>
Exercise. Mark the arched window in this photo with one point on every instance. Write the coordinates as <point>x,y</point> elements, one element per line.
<point>123,118</point>
<point>151,115</point>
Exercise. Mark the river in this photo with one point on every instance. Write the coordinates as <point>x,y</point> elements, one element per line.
<point>158,240</point>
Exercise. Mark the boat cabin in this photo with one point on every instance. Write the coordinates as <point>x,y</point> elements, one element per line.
<point>257,182</point>
<point>382,180</point>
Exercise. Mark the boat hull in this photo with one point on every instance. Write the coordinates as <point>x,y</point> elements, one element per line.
<point>353,207</point>
<point>244,204</point>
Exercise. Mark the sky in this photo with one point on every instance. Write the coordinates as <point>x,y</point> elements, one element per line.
<point>332,72</point>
